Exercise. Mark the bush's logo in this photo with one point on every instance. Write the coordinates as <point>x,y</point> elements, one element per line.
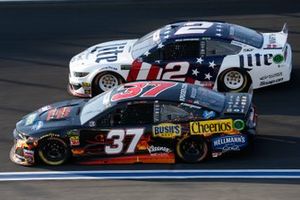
<point>167,130</point>
<point>211,126</point>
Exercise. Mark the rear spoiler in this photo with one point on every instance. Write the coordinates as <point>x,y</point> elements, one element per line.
<point>285,29</point>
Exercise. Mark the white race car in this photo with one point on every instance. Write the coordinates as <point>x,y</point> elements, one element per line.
<point>218,55</point>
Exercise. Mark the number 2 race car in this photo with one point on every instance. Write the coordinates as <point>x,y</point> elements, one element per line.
<point>139,122</point>
<point>217,55</point>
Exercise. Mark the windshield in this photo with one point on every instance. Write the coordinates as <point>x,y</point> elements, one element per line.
<point>95,106</point>
<point>246,35</point>
<point>210,99</point>
<point>145,43</point>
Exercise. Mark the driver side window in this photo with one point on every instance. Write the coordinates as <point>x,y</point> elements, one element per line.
<point>169,112</point>
<point>127,115</point>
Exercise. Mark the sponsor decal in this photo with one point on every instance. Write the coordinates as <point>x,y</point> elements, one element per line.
<point>125,67</point>
<point>247,61</point>
<point>30,119</point>
<point>248,50</point>
<point>110,68</point>
<point>271,76</point>
<point>109,53</point>
<point>229,143</point>
<point>74,137</point>
<point>158,149</point>
<point>58,113</point>
<point>210,127</point>
<point>28,155</point>
<point>278,58</point>
<point>85,84</point>
<point>208,114</point>
<point>92,123</point>
<point>74,140</point>
<point>167,130</point>
<point>183,92</point>
<point>272,38</point>
<point>264,83</point>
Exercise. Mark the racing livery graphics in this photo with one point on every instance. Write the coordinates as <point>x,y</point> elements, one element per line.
<point>218,55</point>
<point>138,122</point>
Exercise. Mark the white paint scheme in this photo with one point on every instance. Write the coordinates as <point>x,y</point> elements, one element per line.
<point>261,76</point>
<point>258,72</point>
<point>86,62</point>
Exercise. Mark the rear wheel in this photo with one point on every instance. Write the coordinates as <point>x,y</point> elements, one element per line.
<point>53,151</point>
<point>192,149</point>
<point>104,82</point>
<point>234,80</point>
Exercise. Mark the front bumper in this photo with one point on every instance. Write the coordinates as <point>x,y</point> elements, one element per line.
<point>79,87</point>
<point>78,91</point>
<point>21,154</point>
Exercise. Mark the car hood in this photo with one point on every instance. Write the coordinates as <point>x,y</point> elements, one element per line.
<point>113,52</point>
<point>51,117</point>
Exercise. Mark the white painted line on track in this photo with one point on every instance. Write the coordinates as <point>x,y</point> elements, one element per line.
<point>153,174</point>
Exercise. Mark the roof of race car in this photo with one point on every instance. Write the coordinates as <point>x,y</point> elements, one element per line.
<point>188,29</point>
<point>167,91</point>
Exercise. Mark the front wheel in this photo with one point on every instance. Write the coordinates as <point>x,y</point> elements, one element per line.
<point>192,149</point>
<point>104,82</point>
<point>234,80</point>
<point>53,151</point>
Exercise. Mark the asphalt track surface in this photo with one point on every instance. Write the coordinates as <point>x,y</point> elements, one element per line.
<point>38,40</point>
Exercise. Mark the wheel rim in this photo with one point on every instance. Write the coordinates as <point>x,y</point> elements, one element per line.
<point>53,152</point>
<point>107,82</point>
<point>191,150</point>
<point>234,80</point>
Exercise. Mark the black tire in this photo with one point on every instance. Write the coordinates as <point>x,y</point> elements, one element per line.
<point>113,78</point>
<point>232,77</point>
<point>53,151</point>
<point>192,149</point>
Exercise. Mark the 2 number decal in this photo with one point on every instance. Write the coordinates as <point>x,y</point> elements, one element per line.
<point>135,89</point>
<point>194,28</point>
<point>118,137</point>
<point>173,73</point>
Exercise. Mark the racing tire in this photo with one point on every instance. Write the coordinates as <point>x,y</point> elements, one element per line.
<point>105,81</point>
<point>192,149</point>
<point>53,151</point>
<point>234,80</point>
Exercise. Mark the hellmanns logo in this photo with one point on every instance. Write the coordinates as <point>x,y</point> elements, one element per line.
<point>229,143</point>
<point>167,130</point>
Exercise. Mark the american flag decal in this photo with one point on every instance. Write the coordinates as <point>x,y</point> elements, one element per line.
<point>201,72</point>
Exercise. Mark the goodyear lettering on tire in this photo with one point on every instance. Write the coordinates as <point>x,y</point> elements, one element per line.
<point>210,127</point>
<point>167,130</point>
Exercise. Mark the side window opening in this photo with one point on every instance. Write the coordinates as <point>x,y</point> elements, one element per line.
<point>153,56</point>
<point>171,112</point>
<point>219,48</point>
<point>129,114</point>
<point>181,50</point>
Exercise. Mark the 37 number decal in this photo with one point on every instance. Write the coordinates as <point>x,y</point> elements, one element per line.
<point>118,137</point>
<point>136,89</point>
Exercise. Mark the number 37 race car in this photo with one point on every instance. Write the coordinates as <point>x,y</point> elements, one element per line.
<point>218,55</point>
<point>139,122</point>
